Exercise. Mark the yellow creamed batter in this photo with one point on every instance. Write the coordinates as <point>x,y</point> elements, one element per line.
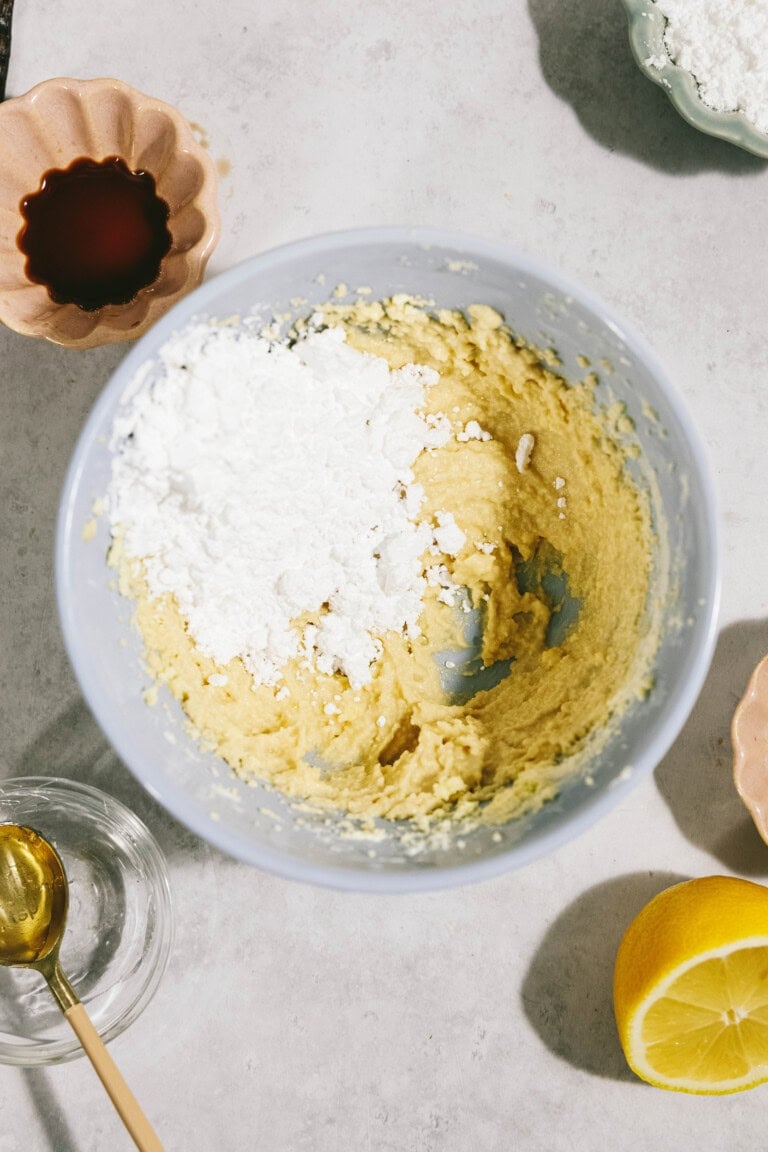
<point>399,748</point>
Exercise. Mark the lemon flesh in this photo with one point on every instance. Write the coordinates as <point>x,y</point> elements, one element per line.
<point>691,987</point>
<point>711,1025</point>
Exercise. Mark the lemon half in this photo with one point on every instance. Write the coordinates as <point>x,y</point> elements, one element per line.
<point>690,988</point>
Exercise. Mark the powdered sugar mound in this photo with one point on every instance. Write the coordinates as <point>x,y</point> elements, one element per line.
<point>259,483</point>
<point>724,45</point>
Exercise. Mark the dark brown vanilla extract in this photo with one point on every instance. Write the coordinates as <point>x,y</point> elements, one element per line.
<point>95,233</point>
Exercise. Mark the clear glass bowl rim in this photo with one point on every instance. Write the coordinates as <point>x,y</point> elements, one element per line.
<point>61,1051</point>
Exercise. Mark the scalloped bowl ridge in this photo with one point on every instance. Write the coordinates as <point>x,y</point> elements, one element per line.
<point>62,120</point>
<point>647,24</point>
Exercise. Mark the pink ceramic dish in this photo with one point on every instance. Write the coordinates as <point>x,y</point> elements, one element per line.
<point>62,120</point>
<point>749,736</point>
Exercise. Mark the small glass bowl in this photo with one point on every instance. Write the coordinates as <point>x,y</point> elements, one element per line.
<point>119,927</point>
<point>647,24</point>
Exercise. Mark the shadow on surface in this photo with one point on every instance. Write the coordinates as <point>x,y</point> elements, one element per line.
<point>696,776</point>
<point>37,1084</point>
<point>57,1133</point>
<point>73,747</point>
<point>586,60</point>
<point>567,993</point>
<point>45,394</point>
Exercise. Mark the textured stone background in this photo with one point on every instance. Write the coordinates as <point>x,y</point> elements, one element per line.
<point>294,1019</point>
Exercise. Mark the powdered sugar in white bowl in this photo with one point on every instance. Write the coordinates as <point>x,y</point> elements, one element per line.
<point>262,481</point>
<point>711,58</point>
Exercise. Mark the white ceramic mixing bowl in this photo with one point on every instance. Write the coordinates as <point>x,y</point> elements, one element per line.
<point>259,826</point>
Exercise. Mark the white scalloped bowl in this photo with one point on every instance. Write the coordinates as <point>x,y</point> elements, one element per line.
<point>647,24</point>
<point>62,120</point>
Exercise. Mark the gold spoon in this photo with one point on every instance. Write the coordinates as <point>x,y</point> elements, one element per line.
<point>33,912</point>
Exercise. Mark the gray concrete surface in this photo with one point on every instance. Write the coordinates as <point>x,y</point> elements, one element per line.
<point>294,1019</point>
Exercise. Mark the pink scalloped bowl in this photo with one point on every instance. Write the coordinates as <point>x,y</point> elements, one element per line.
<point>62,120</point>
<point>749,737</point>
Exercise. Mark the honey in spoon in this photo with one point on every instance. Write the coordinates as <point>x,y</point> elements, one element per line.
<point>33,898</point>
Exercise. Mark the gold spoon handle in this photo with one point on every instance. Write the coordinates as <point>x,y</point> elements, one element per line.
<point>125,1102</point>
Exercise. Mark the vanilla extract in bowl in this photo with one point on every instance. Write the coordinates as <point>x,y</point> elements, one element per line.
<point>95,233</point>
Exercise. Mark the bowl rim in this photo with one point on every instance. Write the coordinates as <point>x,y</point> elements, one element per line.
<point>646,37</point>
<point>69,1048</point>
<point>681,699</point>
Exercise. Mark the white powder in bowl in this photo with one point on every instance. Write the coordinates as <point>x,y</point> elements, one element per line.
<point>724,45</point>
<point>259,482</point>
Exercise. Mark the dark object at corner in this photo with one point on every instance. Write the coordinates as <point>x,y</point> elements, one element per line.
<point>6,18</point>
